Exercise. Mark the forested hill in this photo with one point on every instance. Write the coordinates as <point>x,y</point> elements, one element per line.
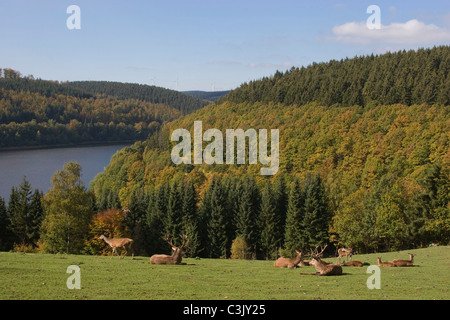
<point>406,77</point>
<point>373,177</point>
<point>35,112</point>
<point>183,102</point>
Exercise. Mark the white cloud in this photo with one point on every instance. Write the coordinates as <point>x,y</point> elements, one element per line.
<point>412,32</point>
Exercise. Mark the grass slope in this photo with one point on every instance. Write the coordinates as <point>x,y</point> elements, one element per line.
<point>43,276</point>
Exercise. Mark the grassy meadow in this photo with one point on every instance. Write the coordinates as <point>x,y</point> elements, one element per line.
<point>43,276</point>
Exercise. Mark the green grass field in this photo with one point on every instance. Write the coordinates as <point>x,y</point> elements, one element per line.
<point>43,276</point>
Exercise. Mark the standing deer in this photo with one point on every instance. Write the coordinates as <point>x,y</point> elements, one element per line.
<point>404,263</point>
<point>176,256</point>
<point>282,262</point>
<point>386,263</point>
<point>345,252</point>
<point>324,268</point>
<point>115,243</point>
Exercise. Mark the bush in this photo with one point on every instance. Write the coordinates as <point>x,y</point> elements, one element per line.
<point>240,249</point>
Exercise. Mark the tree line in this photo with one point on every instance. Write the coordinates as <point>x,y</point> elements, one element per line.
<point>278,217</point>
<point>406,77</point>
<point>35,112</point>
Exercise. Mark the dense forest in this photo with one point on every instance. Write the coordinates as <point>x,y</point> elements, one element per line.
<point>39,112</point>
<point>406,77</point>
<point>374,176</point>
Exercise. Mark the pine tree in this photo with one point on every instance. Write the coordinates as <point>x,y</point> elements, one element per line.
<point>270,239</point>
<point>217,221</point>
<point>35,217</point>
<point>294,219</point>
<point>281,202</point>
<point>4,226</point>
<point>316,216</point>
<point>248,214</point>
<point>190,219</point>
<point>174,213</point>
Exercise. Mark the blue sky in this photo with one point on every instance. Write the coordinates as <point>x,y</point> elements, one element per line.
<point>205,44</point>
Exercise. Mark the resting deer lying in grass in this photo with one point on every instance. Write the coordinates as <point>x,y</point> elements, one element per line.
<point>282,262</point>
<point>326,269</point>
<point>386,263</point>
<point>176,256</point>
<point>404,263</point>
<point>354,263</point>
<point>323,268</point>
<point>115,243</point>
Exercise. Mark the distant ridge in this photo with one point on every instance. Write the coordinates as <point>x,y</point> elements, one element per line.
<point>175,99</point>
<point>207,95</point>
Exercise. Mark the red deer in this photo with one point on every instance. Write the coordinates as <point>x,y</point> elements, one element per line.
<point>345,252</point>
<point>176,256</point>
<point>386,263</point>
<point>323,268</point>
<point>354,263</point>
<point>115,243</point>
<point>404,263</point>
<point>282,262</point>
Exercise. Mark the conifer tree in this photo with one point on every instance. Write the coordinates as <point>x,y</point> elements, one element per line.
<point>248,214</point>
<point>316,214</point>
<point>270,239</point>
<point>217,222</point>
<point>294,220</point>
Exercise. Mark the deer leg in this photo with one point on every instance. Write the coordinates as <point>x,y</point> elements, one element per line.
<point>125,253</point>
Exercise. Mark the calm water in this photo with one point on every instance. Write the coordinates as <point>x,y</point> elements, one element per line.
<point>39,165</point>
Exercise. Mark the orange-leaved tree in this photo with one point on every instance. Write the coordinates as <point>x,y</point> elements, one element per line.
<point>110,222</point>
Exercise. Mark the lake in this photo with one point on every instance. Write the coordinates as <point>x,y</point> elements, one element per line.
<point>39,165</point>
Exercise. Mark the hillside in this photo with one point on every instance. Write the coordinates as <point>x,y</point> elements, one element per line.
<point>406,77</point>
<point>373,177</point>
<point>35,112</point>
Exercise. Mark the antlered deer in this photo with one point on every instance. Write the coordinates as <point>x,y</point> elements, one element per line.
<point>282,262</point>
<point>323,268</point>
<point>345,252</point>
<point>404,263</point>
<point>386,263</point>
<point>115,243</point>
<point>326,269</point>
<point>176,256</point>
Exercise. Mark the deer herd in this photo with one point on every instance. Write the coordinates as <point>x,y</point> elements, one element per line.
<point>322,267</point>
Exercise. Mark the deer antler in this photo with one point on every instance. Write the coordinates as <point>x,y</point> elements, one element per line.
<point>316,254</point>
<point>185,240</point>
<point>168,239</point>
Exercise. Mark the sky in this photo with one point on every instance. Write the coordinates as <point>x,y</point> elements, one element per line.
<point>206,45</point>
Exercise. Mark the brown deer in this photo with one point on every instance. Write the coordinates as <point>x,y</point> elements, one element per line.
<point>386,263</point>
<point>345,252</point>
<point>404,263</point>
<point>176,256</point>
<point>282,262</point>
<point>115,243</point>
<point>326,269</point>
<point>354,263</point>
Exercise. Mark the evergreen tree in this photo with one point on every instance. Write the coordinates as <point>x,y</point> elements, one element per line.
<point>280,196</point>
<point>4,226</point>
<point>174,221</point>
<point>155,220</point>
<point>217,240</point>
<point>248,214</point>
<point>190,219</point>
<point>293,239</point>
<point>270,239</point>
<point>316,214</point>
<point>35,217</point>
